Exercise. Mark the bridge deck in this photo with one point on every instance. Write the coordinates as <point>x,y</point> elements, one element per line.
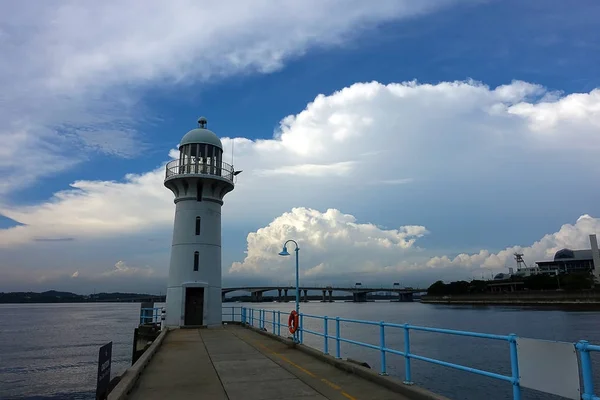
<point>237,363</point>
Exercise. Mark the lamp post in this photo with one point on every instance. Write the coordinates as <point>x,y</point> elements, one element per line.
<point>284,252</point>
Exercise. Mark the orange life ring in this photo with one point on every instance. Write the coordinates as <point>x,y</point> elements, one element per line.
<point>293,322</point>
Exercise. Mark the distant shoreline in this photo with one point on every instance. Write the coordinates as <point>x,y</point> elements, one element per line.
<point>584,299</point>
<point>53,296</point>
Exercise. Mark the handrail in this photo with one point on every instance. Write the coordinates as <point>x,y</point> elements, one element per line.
<point>151,315</point>
<point>253,317</point>
<point>175,168</point>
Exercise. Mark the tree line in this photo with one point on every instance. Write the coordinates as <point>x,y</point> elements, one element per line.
<point>568,282</point>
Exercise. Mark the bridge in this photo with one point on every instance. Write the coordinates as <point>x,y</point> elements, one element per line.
<point>359,293</point>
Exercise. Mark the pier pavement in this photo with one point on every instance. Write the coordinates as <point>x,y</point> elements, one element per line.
<point>233,362</point>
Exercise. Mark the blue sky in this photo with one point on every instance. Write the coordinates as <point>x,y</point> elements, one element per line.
<point>492,146</point>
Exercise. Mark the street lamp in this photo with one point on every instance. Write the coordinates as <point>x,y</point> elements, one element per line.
<point>284,252</point>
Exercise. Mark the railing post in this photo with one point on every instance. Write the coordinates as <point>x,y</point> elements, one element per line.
<point>586,369</point>
<point>244,315</point>
<point>326,336</point>
<point>407,374</point>
<point>261,313</point>
<point>300,329</point>
<point>337,337</point>
<point>273,322</point>
<point>514,366</point>
<point>278,322</point>
<point>382,346</point>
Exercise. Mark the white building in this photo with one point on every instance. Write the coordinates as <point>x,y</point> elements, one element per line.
<point>568,261</point>
<point>199,179</point>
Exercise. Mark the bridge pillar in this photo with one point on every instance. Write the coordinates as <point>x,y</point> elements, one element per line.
<point>256,297</point>
<point>359,297</point>
<point>305,296</point>
<point>324,296</point>
<point>285,296</point>
<point>330,296</point>
<point>279,295</point>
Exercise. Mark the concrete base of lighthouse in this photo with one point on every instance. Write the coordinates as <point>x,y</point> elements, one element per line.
<point>193,304</point>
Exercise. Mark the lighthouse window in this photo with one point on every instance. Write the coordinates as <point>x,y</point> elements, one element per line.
<point>197,226</point>
<point>196,260</point>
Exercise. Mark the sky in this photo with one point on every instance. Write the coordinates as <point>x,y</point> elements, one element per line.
<point>396,141</point>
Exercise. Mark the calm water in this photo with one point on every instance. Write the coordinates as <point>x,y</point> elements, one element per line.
<point>49,351</point>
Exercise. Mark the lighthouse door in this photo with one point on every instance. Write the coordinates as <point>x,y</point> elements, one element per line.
<point>194,306</point>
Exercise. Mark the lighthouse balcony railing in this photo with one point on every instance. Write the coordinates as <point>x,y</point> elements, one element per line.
<point>270,321</point>
<point>177,168</point>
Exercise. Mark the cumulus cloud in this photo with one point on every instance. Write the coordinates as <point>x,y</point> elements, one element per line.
<point>72,74</point>
<point>334,242</point>
<point>366,147</point>
<point>381,152</point>
<point>335,248</point>
<point>93,209</point>
<point>573,236</point>
<point>122,269</point>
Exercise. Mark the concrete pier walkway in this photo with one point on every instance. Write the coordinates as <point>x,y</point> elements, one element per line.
<point>234,363</point>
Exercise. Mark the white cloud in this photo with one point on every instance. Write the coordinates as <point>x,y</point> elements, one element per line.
<point>122,269</point>
<point>75,274</point>
<point>93,209</point>
<point>334,248</point>
<point>402,147</point>
<point>333,243</point>
<point>574,236</point>
<point>394,140</point>
<point>72,73</point>
<point>313,170</point>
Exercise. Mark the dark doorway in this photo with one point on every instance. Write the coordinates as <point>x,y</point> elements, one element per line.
<point>194,306</point>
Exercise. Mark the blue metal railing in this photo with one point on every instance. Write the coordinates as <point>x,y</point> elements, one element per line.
<point>258,318</point>
<point>150,315</point>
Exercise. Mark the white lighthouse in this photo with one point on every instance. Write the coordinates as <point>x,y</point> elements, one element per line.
<point>199,179</point>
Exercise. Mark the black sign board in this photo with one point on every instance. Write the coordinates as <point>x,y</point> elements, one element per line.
<point>104,361</point>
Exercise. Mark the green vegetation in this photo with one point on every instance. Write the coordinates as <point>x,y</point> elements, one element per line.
<point>53,296</point>
<point>440,288</point>
<point>567,282</point>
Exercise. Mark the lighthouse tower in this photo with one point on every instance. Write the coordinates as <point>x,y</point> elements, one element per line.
<point>199,179</point>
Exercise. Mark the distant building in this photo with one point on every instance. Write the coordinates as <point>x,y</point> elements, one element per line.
<point>568,261</point>
<point>502,276</point>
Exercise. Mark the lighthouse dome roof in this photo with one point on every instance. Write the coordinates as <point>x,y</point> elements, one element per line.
<point>201,135</point>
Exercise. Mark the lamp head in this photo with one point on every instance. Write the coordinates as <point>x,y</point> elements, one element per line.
<point>284,252</point>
